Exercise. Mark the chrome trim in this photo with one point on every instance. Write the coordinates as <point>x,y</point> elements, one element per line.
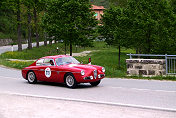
<point>88,78</point>
<point>69,71</point>
<point>95,74</point>
<point>52,70</point>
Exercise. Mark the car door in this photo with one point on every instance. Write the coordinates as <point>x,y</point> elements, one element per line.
<point>39,69</point>
<point>49,71</point>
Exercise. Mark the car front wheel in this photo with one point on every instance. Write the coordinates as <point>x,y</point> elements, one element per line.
<point>31,77</point>
<point>70,81</point>
<point>95,83</point>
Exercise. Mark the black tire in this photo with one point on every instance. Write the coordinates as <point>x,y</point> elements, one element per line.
<point>31,77</point>
<point>95,83</point>
<point>70,80</point>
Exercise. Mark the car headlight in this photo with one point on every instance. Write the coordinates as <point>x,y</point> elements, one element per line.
<point>82,72</point>
<point>103,69</point>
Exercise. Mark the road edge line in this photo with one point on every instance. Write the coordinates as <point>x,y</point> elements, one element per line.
<point>95,102</point>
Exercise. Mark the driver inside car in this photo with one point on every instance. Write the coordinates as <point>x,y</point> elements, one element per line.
<point>51,62</point>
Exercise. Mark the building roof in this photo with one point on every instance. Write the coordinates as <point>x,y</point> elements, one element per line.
<point>94,7</point>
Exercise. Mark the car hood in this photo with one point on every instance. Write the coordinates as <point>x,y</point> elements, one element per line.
<point>82,66</point>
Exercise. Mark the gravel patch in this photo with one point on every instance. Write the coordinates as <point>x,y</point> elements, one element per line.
<point>84,53</point>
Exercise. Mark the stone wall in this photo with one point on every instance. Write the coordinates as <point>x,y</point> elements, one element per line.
<point>146,67</point>
<point>4,42</point>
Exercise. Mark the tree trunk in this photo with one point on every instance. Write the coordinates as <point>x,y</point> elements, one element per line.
<point>119,57</point>
<point>148,40</point>
<point>19,26</point>
<point>50,42</point>
<point>35,22</point>
<point>29,29</point>
<point>45,41</point>
<point>137,50</point>
<point>70,48</point>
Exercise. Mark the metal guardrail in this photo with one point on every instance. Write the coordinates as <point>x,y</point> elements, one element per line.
<point>169,59</point>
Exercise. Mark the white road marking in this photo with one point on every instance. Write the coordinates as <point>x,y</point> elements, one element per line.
<point>95,102</point>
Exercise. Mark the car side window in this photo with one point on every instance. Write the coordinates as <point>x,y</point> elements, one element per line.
<point>49,62</point>
<point>59,61</point>
<point>39,62</point>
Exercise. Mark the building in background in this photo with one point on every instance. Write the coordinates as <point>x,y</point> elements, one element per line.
<point>98,11</point>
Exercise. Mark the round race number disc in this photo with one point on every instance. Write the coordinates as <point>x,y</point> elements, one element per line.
<point>48,72</point>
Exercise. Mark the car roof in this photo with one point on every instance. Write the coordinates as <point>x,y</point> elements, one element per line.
<point>55,56</point>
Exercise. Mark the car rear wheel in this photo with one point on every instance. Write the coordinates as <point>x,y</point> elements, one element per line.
<point>70,81</point>
<point>95,83</point>
<point>31,77</point>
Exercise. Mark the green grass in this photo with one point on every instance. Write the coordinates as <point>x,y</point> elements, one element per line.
<point>36,53</point>
<point>109,59</point>
<point>15,64</point>
<point>101,54</point>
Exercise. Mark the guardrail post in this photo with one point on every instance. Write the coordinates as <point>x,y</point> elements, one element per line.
<point>166,64</point>
<point>130,56</point>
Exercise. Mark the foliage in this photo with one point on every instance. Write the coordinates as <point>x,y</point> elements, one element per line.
<point>153,26</point>
<point>121,3</point>
<point>70,20</point>
<point>173,5</point>
<point>115,27</point>
<point>146,25</point>
<point>104,3</point>
<point>6,21</point>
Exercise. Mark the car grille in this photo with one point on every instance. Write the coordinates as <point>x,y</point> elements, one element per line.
<point>95,74</point>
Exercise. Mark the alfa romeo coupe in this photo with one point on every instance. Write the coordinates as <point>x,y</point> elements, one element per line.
<point>63,69</point>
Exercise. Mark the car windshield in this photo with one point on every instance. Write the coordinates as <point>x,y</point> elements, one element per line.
<point>66,60</point>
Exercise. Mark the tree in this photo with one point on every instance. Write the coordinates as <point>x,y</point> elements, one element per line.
<point>69,20</point>
<point>6,19</point>
<point>121,3</point>
<point>173,5</point>
<point>38,6</point>
<point>28,4</point>
<point>15,6</point>
<point>115,28</point>
<point>153,26</point>
<point>104,3</point>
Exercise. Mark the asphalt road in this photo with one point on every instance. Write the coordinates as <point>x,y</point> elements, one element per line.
<point>150,94</point>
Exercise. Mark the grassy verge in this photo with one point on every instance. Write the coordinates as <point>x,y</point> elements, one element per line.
<point>15,64</point>
<point>102,55</point>
<point>109,59</point>
<point>36,53</point>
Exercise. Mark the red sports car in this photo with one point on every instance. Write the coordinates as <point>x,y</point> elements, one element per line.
<point>63,69</point>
